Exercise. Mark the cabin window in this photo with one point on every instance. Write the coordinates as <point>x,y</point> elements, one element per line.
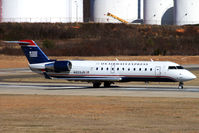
<point>97,68</point>
<point>118,69</point>
<point>123,69</point>
<point>129,69</point>
<point>102,68</point>
<point>134,69</point>
<point>107,68</point>
<point>145,69</point>
<point>140,69</point>
<point>151,69</point>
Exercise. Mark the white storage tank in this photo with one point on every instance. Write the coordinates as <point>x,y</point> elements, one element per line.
<point>124,9</point>
<point>159,12</point>
<point>140,9</point>
<point>0,10</point>
<point>186,12</point>
<point>42,10</point>
<point>76,10</point>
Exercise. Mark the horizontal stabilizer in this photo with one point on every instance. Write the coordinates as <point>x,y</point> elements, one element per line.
<point>17,42</point>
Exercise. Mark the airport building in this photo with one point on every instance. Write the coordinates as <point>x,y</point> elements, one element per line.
<point>155,12</point>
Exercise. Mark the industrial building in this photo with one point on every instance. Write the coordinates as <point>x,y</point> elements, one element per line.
<point>186,12</point>
<point>157,12</point>
<point>115,11</point>
<point>41,10</point>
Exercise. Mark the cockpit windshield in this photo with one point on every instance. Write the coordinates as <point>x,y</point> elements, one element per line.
<point>172,67</point>
<point>180,67</point>
<point>175,67</point>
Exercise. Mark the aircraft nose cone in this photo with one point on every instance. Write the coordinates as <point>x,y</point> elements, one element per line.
<point>187,76</point>
<point>193,76</point>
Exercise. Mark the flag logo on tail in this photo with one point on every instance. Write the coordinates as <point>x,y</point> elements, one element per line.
<point>33,54</point>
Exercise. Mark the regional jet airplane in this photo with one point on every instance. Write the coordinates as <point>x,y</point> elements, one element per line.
<point>107,72</point>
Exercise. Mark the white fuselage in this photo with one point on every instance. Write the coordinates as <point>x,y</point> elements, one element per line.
<point>121,71</point>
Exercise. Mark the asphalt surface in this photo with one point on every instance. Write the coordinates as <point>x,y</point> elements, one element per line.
<point>86,90</point>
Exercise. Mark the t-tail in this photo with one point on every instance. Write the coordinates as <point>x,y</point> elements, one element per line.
<point>39,62</point>
<point>32,52</point>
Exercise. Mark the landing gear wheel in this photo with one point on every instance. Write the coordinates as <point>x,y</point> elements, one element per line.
<point>181,85</point>
<point>96,84</point>
<point>107,84</point>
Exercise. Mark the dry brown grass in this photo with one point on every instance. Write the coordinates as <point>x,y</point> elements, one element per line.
<point>20,61</point>
<point>77,114</point>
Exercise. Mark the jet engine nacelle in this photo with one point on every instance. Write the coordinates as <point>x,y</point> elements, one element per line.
<point>59,66</point>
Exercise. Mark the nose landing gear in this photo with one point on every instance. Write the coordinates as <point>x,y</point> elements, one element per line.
<point>181,85</point>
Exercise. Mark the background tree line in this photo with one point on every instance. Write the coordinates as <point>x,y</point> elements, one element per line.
<point>94,39</point>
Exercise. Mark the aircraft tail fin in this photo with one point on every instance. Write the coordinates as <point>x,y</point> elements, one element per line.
<point>32,52</point>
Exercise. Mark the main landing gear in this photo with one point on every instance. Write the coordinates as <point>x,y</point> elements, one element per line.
<point>181,85</point>
<point>107,84</point>
<point>98,84</point>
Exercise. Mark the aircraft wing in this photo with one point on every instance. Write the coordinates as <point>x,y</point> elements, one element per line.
<point>87,79</point>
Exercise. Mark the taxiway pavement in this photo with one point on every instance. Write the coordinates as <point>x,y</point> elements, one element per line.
<point>86,90</point>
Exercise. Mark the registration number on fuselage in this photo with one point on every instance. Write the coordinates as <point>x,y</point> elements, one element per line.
<point>81,72</point>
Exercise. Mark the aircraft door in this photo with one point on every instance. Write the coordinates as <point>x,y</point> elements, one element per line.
<point>113,68</point>
<point>157,71</point>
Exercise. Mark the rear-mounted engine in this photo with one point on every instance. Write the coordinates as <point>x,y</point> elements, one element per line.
<point>59,66</point>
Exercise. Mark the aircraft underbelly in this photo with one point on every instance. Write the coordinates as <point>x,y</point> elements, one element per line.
<point>114,78</point>
<point>148,79</point>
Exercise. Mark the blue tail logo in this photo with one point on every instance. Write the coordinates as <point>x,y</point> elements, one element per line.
<point>32,52</point>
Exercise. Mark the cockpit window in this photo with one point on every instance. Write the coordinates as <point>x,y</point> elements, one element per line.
<point>176,67</point>
<point>172,67</point>
<point>180,67</point>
